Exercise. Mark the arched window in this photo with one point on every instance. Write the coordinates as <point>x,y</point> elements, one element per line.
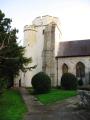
<point>80,70</point>
<point>64,68</point>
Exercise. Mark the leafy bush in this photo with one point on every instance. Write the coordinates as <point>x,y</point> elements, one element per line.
<point>68,81</point>
<point>80,82</point>
<point>41,83</point>
<point>3,85</point>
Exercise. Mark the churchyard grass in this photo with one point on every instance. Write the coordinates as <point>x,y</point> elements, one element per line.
<point>12,106</point>
<point>55,95</point>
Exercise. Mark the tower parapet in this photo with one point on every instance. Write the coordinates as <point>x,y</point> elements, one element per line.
<point>45,20</point>
<point>29,27</point>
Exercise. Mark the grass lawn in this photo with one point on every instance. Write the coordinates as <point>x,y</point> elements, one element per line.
<point>12,106</point>
<point>55,95</point>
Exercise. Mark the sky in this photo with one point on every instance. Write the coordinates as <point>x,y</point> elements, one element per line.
<point>74,15</point>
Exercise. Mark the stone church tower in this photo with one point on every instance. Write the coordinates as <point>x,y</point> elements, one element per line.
<point>40,40</point>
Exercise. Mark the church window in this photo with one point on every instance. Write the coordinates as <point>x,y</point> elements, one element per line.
<point>64,68</point>
<point>80,70</point>
<point>43,31</point>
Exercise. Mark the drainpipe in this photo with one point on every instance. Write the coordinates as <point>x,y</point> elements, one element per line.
<point>57,71</point>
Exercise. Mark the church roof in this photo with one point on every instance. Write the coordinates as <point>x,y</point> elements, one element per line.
<point>74,48</point>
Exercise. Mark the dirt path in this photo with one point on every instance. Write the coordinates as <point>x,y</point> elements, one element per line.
<point>66,110</point>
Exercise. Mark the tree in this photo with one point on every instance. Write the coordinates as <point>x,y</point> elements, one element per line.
<point>12,58</point>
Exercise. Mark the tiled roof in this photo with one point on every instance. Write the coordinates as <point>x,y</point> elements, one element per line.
<point>74,48</point>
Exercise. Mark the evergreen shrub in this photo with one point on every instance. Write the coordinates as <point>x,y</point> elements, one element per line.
<point>41,83</point>
<point>69,81</point>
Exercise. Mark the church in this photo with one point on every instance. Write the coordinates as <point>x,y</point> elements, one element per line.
<point>74,57</point>
<point>42,44</point>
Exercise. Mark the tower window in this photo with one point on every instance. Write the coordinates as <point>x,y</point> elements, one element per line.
<point>43,31</point>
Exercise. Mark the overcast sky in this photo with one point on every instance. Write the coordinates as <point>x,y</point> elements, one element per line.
<point>74,15</point>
